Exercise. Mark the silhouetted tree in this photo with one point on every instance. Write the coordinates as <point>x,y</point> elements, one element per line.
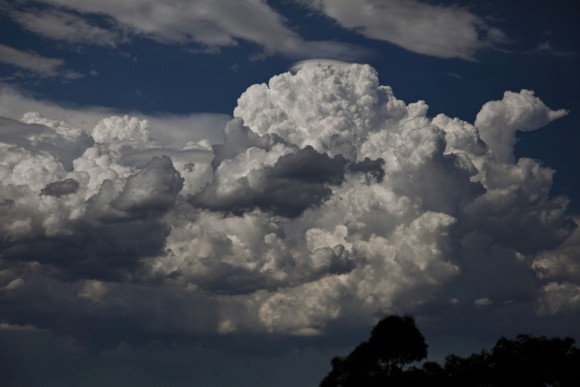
<point>525,361</point>
<point>431,374</point>
<point>473,371</point>
<point>536,361</point>
<point>395,341</point>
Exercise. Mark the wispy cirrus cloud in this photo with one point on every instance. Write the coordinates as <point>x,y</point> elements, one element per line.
<point>30,61</point>
<point>437,30</point>
<point>63,25</point>
<point>213,24</point>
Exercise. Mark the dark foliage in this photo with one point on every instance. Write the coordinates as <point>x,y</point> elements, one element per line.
<point>396,342</point>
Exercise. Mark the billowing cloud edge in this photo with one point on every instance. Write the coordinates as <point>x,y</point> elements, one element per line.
<point>328,198</point>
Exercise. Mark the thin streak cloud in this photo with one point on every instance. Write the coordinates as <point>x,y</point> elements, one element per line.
<point>437,30</point>
<point>37,64</point>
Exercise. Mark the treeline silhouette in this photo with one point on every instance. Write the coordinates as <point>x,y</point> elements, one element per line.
<point>395,343</point>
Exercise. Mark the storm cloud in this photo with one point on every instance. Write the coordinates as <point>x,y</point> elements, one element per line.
<point>329,198</point>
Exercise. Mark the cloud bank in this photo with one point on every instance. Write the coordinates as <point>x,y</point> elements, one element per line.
<point>444,31</point>
<point>329,202</point>
<point>208,23</point>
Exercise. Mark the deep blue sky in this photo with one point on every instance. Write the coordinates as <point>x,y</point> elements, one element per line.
<point>68,58</point>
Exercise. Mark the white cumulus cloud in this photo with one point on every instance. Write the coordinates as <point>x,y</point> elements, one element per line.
<point>328,200</point>
<point>498,121</point>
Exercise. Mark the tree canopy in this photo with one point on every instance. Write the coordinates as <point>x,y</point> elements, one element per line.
<point>395,343</point>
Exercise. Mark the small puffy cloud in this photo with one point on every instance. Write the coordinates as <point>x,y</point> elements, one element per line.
<point>93,290</point>
<point>498,121</point>
<point>483,301</point>
<point>121,131</point>
<point>436,30</point>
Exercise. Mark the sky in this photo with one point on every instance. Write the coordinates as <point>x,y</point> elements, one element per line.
<point>219,192</point>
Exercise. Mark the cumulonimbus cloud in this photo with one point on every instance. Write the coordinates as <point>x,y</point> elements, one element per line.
<point>329,198</point>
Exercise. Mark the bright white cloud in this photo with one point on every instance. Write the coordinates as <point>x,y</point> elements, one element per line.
<point>498,121</point>
<point>296,108</point>
<point>169,130</point>
<point>120,131</point>
<point>328,198</point>
<point>437,30</point>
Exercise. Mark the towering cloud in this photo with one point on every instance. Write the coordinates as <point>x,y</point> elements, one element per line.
<point>499,121</point>
<point>329,198</point>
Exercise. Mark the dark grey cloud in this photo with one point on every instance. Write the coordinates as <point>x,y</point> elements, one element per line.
<point>95,250</point>
<point>296,182</point>
<point>237,139</point>
<point>152,189</point>
<point>60,188</point>
<point>329,203</point>
<point>61,361</point>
